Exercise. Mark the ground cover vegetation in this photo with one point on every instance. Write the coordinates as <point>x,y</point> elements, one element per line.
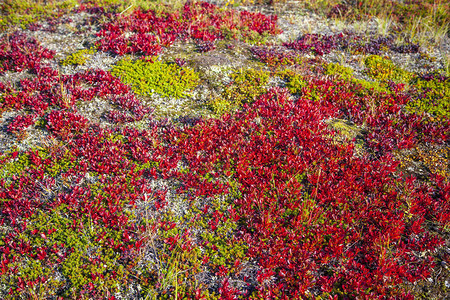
<point>310,176</point>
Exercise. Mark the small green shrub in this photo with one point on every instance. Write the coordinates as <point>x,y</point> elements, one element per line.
<point>245,87</point>
<point>15,167</point>
<point>78,58</point>
<point>370,87</point>
<point>297,85</point>
<point>221,106</point>
<point>24,12</point>
<point>337,69</point>
<point>146,78</point>
<point>383,69</point>
<point>347,74</point>
<point>294,82</point>
<point>432,96</point>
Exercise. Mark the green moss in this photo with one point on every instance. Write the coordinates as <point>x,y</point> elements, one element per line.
<point>383,69</point>
<point>146,78</point>
<point>78,58</point>
<point>221,106</point>
<point>337,69</point>
<point>346,73</point>
<point>344,128</point>
<point>24,12</point>
<point>432,96</point>
<point>246,85</point>
<point>294,82</point>
<point>370,87</point>
<point>346,133</point>
<point>16,166</point>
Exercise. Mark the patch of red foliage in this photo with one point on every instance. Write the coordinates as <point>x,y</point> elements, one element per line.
<point>19,52</point>
<point>389,126</point>
<point>323,44</point>
<point>275,57</point>
<point>317,218</point>
<point>146,32</point>
<point>20,123</point>
<point>50,90</point>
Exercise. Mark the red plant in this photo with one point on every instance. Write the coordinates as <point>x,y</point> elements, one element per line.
<point>316,43</point>
<point>19,52</point>
<point>20,123</point>
<point>50,90</point>
<point>200,21</point>
<point>64,124</point>
<point>275,57</point>
<point>323,44</point>
<point>205,46</point>
<point>316,218</point>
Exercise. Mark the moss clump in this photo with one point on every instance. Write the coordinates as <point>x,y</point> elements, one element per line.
<point>294,82</point>
<point>347,74</point>
<point>369,87</point>
<point>221,106</point>
<point>146,78</point>
<point>383,69</point>
<point>16,166</point>
<point>298,85</point>
<point>347,132</point>
<point>245,86</point>
<point>432,96</point>
<point>78,58</point>
<point>337,69</point>
<point>24,12</point>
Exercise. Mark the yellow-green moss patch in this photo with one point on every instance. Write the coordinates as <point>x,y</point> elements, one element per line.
<point>383,69</point>
<point>146,78</point>
<point>78,58</point>
<point>433,97</point>
<point>337,69</point>
<point>245,87</point>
